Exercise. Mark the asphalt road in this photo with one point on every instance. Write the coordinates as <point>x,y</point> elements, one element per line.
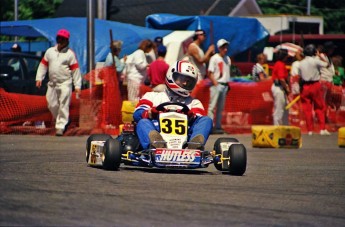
<point>45,182</point>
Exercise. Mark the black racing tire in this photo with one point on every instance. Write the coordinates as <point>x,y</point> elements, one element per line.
<point>238,159</point>
<point>95,137</point>
<point>112,153</point>
<point>218,151</point>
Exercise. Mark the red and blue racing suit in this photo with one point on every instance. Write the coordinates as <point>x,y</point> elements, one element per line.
<point>199,124</point>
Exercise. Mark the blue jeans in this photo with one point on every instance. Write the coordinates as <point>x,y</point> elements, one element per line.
<point>217,102</point>
<point>201,125</point>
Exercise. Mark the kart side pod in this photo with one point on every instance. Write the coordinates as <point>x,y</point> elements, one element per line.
<point>230,155</point>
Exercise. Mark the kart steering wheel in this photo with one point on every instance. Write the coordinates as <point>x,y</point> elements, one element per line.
<point>184,110</point>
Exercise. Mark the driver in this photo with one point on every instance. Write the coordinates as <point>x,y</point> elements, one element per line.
<point>180,80</point>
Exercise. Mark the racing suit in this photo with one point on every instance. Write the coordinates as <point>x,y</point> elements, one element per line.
<point>63,70</point>
<point>201,124</point>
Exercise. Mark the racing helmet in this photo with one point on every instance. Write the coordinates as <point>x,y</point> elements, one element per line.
<point>181,78</point>
<point>310,50</point>
<point>63,33</point>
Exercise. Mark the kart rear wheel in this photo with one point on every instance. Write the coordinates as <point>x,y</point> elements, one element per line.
<point>238,159</point>
<point>95,137</point>
<point>218,150</point>
<point>111,154</point>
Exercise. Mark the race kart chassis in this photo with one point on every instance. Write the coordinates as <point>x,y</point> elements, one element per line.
<point>227,155</point>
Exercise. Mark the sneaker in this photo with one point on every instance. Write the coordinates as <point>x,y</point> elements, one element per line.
<point>156,140</point>
<point>197,142</point>
<point>59,132</point>
<point>324,132</point>
<point>310,133</point>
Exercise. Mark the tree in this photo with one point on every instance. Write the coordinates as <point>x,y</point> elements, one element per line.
<point>332,11</point>
<point>29,9</point>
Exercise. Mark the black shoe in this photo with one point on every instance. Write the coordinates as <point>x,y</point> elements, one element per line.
<point>197,142</point>
<point>217,131</point>
<point>68,124</point>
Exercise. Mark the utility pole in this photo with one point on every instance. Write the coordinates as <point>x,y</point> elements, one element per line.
<point>90,35</point>
<point>308,7</point>
<point>16,15</point>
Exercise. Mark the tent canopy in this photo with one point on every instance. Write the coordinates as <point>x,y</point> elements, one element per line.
<point>131,35</point>
<point>242,33</point>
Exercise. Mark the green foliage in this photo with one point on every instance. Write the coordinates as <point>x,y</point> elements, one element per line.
<point>332,11</point>
<point>29,9</point>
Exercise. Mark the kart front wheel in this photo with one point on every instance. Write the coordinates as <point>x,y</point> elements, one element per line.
<point>111,154</point>
<point>94,137</point>
<point>219,145</point>
<point>238,159</point>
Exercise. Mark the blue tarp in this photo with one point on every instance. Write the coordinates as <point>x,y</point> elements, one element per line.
<point>242,33</point>
<point>131,35</point>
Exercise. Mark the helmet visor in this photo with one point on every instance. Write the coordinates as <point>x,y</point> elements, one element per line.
<point>183,81</point>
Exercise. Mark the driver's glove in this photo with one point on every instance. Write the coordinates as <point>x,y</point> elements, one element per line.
<point>191,117</point>
<point>151,113</point>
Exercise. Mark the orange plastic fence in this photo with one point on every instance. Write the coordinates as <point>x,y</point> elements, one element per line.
<point>99,108</point>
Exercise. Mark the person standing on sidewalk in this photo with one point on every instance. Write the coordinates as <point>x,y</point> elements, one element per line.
<point>158,70</point>
<point>219,74</point>
<point>280,89</point>
<point>311,94</point>
<point>63,68</point>
<point>196,54</point>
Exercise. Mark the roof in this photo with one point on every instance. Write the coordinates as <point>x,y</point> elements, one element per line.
<point>298,37</point>
<point>135,11</point>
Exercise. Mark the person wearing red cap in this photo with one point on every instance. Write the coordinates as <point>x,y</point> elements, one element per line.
<point>61,63</point>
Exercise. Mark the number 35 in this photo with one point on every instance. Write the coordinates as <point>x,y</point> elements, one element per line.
<point>174,126</point>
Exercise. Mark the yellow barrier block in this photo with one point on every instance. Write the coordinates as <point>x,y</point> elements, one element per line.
<point>276,136</point>
<point>127,110</point>
<point>341,137</point>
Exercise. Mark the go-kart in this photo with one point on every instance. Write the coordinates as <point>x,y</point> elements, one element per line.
<point>104,151</point>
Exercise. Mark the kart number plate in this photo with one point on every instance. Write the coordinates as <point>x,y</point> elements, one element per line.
<point>174,126</point>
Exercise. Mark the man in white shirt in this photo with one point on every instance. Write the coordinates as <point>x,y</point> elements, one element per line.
<point>219,74</point>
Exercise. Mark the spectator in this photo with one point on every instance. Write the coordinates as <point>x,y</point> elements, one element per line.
<point>153,54</point>
<point>15,62</point>
<point>197,56</point>
<point>180,80</point>
<point>338,81</point>
<point>137,68</point>
<point>16,48</point>
<point>311,94</point>
<point>327,73</point>
<point>339,77</point>
<point>294,72</point>
<point>158,41</point>
<point>113,58</point>
<point>62,65</point>
<point>258,71</point>
<point>219,74</point>
<point>280,89</point>
<point>158,70</point>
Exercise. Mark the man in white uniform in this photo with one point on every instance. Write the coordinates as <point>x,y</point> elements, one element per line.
<point>219,74</point>
<point>63,71</point>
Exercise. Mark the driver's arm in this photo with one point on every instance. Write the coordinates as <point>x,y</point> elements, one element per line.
<point>143,108</point>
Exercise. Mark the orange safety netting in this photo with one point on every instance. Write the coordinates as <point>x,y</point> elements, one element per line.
<point>98,110</point>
